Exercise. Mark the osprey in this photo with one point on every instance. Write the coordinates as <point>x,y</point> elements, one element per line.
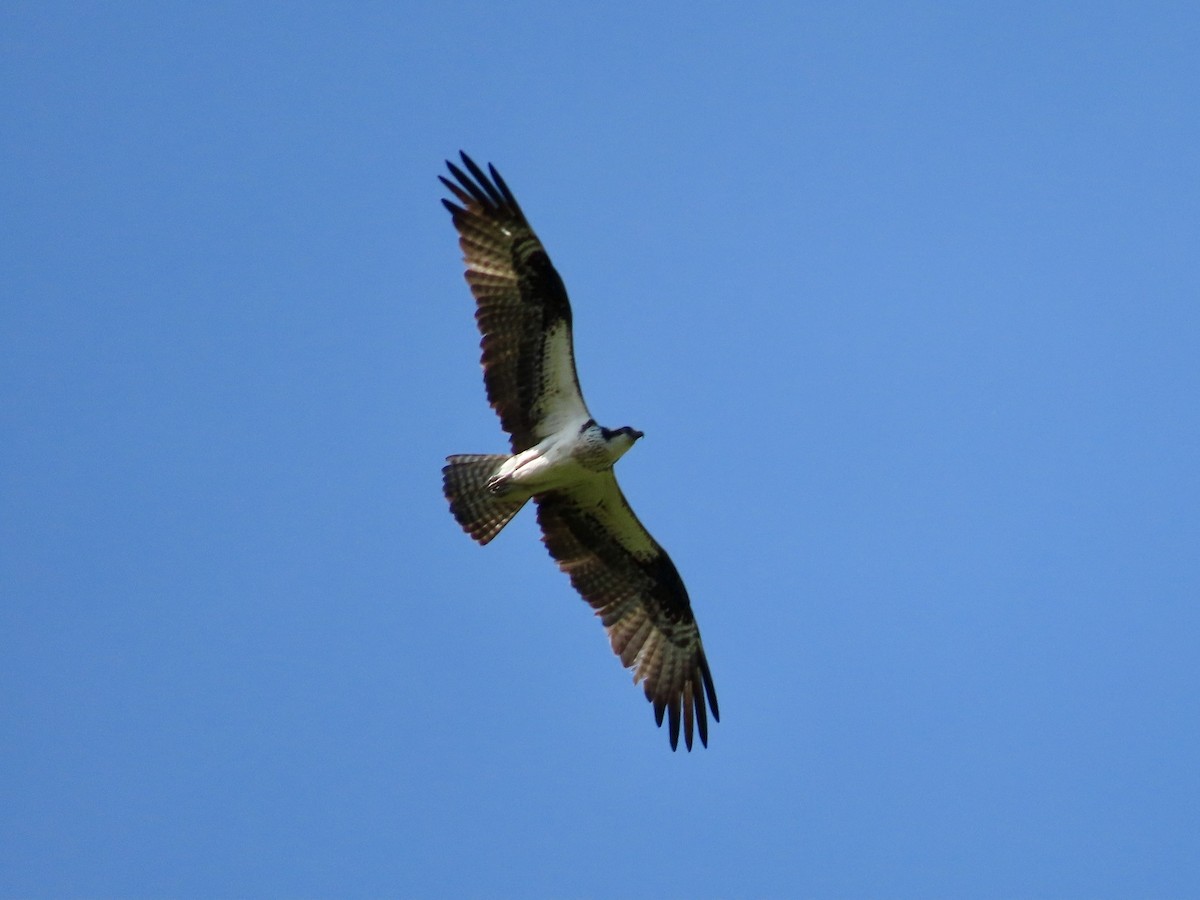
<point>563,460</point>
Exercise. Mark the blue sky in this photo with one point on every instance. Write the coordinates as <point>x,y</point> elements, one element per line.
<point>905,298</point>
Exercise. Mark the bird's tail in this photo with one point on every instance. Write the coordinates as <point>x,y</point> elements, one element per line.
<point>480,512</point>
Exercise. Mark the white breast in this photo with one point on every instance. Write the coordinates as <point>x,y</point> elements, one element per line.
<point>561,460</point>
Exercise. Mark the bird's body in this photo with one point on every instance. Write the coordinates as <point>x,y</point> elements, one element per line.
<point>563,460</point>
<point>568,457</point>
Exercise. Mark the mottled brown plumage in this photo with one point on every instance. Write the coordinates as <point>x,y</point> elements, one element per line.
<point>522,309</point>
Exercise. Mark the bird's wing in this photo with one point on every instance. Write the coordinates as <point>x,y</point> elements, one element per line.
<point>637,593</point>
<point>523,312</point>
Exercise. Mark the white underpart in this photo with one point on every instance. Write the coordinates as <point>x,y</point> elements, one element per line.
<point>558,460</point>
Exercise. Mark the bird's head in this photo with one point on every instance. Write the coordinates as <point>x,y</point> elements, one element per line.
<point>619,440</point>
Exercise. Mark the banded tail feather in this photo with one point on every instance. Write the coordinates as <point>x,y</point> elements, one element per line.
<point>481,513</point>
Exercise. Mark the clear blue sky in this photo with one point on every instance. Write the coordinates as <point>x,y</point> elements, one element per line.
<point>905,297</point>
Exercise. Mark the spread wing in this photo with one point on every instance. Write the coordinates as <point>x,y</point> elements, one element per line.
<point>637,593</point>
<point>523,312</point>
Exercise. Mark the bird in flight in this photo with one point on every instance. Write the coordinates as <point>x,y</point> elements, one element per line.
<point>563,460</point>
